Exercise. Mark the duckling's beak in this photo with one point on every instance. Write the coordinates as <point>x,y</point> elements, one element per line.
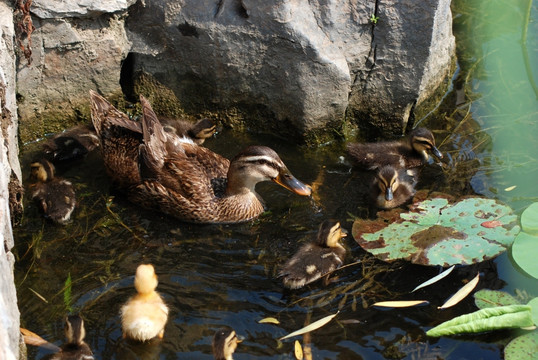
<point>287,180</point>
<point>343,233</point>
<point>388,194</point>
<point>437,153</point>
<point>239,338</point>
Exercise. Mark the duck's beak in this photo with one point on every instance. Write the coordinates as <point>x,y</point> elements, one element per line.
<point>287,180</point>
<point>388,194</point>
<point>437,153</point>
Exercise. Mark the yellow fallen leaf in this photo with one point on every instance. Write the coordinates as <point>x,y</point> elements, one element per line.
<point>461,293</point>
<point>314,326</point>
<point>298,350</point>
<point>510,188</point>
<point>269,320</point>
<point>400,303</point>
<point>31,338</point>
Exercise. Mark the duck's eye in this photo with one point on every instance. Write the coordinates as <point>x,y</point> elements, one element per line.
<point>262,162</point>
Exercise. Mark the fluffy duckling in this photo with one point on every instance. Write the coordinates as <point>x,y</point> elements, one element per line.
<point>224,344</point>
<point>75,348</point>
<point>410,152</point>
<point>316,259</point>
<point>54,196</point>
<point>393,187</point>
<point>200,131</point>
<point>72,144</point>
<point>144,315</point>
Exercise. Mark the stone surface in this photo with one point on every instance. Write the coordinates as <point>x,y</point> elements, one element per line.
<point>9,173</point>
<point>57,9</point>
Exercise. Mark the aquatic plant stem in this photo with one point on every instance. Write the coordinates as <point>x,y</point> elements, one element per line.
<point>526,59</point>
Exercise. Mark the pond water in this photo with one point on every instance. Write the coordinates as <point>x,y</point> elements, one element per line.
<point>216,275</point>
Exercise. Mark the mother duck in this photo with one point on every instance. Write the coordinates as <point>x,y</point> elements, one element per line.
<point>160,170</point>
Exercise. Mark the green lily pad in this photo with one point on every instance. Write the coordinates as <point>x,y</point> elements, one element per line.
<point>524,253</point>
<point>529,219</point>
<point>534,309</point>
<point>523,347</point>
<point>486,298</point>
<point>436,232</point>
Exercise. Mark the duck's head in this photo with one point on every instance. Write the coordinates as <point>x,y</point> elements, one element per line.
<point>203,129</point>
<point>260,163</point>
<point>74,329</point>
<point>41,170</point>
<point>145,279</point>
<point>422,140</point>
<point>387,180</point>
<point>329,234</point>
<point>224,343</point>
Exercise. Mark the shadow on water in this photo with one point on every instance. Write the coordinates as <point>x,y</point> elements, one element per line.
<point>216,275</point>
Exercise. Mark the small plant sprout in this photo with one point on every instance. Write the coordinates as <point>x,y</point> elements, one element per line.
<point>373,19</point>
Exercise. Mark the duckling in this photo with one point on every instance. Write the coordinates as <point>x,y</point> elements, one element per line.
<point>393,187</point>
<point>75,348</point>
<point>72,144</point>
<point>224,344</point>
<point>176,176</point>
<point>54,196</point>
<point>409,152</point>
<point>316,259</point>
<point>144,315</point>
<point>200,131</point>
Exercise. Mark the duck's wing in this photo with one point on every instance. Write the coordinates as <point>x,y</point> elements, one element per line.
<point>372,156</point>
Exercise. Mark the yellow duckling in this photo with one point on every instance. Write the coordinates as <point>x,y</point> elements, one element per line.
<point>162,171</point>
<point>224,344</point>
<point>72,144</point>
<point>316,259</point>
<point>200,131</point>
<point>54,196</point>
<point>393,187</point>
<point>75,348</point>
<point>144,315</point>
<point>410,152</point>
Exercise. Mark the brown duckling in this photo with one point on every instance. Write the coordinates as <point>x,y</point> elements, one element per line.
<point>316,259</point>
<point>72,144</point>
<point>144,315</point>
<point>410,152</point>
<point>224,344</point>
<point>75,348</point>
<point>54,196</point>
<point>174,175</point>
<point>393,187</point>
<point>200,131</point>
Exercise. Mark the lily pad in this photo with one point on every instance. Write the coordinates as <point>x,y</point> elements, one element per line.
<point>523,347</point>
<point>529,219</point>
<point>534,309</point>
<point>435,232</point>
<point>524,253</point>
<point>486,298</point>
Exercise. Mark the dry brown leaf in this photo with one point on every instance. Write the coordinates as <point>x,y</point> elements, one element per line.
<point>298,350</point>
<point>269,320</point>
<point>314,326</point>
<point>461,293</point>
<point>31,338</point>
<point>400,303</point>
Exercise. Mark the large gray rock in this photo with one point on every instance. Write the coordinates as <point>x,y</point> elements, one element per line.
<point>9,174</point>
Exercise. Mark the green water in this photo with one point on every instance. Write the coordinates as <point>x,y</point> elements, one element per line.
<point>226,275</point>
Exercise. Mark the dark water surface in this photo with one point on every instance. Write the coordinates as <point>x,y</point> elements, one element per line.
<point>215,275</point>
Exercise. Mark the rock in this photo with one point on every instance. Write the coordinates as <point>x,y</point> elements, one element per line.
<point>58,9</point>
<point>10,176</point>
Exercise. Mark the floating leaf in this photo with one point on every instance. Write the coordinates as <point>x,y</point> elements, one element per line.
<point>298,350</point>
<point>534,309</point>
<point>529,219</point>
<point>269,320</point>
<point>523,347</point>
<point>400,303</point>
<point>435,278</point>
<point>461,293</point>
<point>524,253</point>
<point>486,298</point>
<point>500,317</point>
<point>31,338</point>
<point>510,188</point>
<point>314,326</point>
<point>435,232</point>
